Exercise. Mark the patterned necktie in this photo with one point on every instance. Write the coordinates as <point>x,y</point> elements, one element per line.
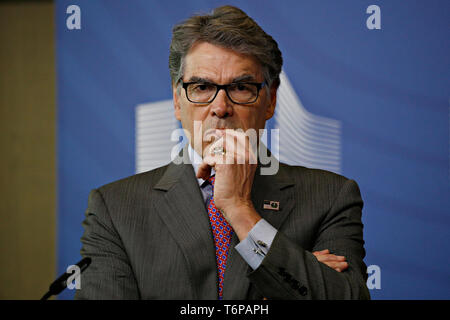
<point>222,232</point>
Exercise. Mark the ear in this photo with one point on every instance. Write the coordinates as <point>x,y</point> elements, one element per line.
<point>176,103</point>
<point>273,101</point>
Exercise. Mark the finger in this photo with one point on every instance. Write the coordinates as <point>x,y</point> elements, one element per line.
<point>341,266</point>
<point>218,158</point>
<point>340,258</point>
<point>234,153</point>
<point>322,258</point>
<point>329,257</point>
<point>218,142</point>
<point>240,144</point>
<point>204,169</point>
<point>335,257</point>
<point>316,253</point>
<point>210,136</point>
<point>338,266</point>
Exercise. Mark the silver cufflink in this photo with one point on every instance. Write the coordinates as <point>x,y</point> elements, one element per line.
<point>257,251</point>
<point>261,243</point>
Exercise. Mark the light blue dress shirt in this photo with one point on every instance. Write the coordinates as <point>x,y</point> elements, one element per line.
<point>254,248</point>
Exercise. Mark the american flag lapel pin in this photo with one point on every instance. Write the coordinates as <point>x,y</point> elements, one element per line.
<point>271,205</point>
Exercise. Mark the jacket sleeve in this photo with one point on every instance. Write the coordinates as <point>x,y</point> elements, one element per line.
<point>110,275</point>
<point>290,272</point>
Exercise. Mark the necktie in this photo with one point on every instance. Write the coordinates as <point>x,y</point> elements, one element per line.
<point>222,232</point>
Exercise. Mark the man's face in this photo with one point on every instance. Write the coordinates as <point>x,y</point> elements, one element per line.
<point>221,66</point>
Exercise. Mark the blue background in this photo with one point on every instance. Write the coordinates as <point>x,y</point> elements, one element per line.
<point>388,87</point>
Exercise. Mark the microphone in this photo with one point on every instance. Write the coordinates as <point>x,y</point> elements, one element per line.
<point>61,283</point>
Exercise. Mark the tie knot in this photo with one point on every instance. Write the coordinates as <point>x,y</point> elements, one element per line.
<point>211,180</point>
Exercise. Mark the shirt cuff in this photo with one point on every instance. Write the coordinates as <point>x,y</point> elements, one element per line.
<point>255,246</point>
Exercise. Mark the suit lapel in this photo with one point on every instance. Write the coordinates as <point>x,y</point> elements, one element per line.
<point>265,187</point>
<point>182,209</point>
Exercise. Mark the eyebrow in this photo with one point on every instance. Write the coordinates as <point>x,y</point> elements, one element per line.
<point>243,78</point>
<point>199,79</point>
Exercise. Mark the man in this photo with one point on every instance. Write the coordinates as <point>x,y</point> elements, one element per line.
<point>218,228</point>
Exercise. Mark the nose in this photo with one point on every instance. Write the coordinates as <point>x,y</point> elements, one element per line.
<point>221,106</point>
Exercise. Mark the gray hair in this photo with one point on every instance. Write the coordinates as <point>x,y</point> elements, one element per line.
<point>231,28</point>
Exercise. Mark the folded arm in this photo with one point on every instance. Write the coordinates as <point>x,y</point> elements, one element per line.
<point>288,271</point>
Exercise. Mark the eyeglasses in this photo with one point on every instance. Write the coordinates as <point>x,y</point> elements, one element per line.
<point>238,93</point>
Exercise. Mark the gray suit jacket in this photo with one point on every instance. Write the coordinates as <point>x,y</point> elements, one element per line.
<point>149,237</point>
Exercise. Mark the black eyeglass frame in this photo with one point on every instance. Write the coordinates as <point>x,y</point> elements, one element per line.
<point>259,86</point>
